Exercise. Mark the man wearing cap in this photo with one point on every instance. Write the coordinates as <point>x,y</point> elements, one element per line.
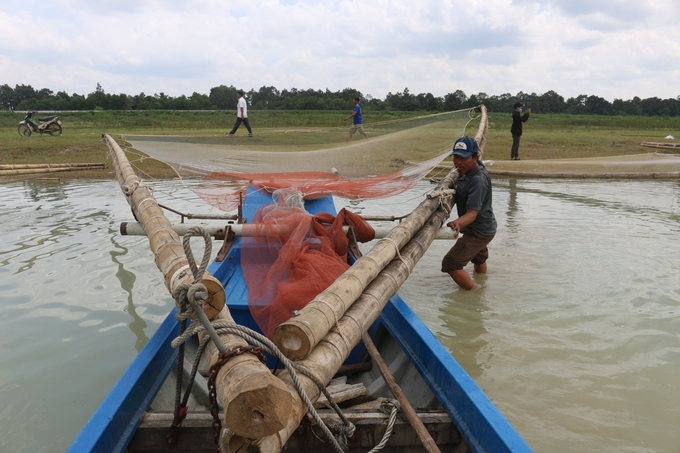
<point>241,115</point>
<point>516,128</point>
<point>475,215</point>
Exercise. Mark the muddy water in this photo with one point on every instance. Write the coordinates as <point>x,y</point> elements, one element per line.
<point>575,334</point>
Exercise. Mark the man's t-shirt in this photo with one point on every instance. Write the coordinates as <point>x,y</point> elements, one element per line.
<point>474,192</point>
<point>242,104</point>
<point>357,117</point>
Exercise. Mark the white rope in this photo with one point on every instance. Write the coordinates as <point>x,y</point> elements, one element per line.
<point>393,407</point>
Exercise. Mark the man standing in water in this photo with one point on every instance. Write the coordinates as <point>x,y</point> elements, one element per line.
<point>358,120</point>
<point>475,215</point>
<point>241,115</point>
<point>516,129</point>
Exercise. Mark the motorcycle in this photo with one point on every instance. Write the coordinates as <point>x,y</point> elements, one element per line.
<point>48,124</point>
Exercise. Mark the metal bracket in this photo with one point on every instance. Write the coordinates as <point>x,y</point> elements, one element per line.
<point>226,246</point>
<point>353,245</point>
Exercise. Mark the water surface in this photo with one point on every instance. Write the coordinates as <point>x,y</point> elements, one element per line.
<point>575,334</point>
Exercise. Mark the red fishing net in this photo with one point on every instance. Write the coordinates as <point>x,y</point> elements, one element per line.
<point>293,256</point>
<point>224,189</point>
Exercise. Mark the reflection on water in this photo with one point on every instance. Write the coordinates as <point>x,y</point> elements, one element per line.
<point>127,282</point>
<point>574,335</point>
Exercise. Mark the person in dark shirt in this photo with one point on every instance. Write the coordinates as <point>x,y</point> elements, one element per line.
<point>516,129</point>
<point>475,215</point>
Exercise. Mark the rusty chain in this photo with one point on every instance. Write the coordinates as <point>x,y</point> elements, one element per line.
<point>212,377</point>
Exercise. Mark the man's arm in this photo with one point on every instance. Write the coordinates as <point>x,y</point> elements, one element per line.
<point>351,116</point>
<point>462,221</point>
<point>525,117</point>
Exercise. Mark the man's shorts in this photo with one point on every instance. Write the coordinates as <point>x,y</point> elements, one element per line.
<point>357,127</point>
<point>469,247</point>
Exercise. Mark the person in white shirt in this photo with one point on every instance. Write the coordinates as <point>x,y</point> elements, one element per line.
<point>241,115</point>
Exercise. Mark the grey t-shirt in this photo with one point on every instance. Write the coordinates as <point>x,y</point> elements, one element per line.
<point>474,192</point>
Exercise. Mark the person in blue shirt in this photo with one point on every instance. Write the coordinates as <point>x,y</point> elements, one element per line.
<point>357,123</point>
<point>475,215</point>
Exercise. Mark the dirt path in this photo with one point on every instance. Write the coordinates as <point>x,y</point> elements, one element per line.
<point>649,162</point>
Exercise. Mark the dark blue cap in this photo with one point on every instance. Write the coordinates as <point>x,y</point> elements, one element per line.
<point>465,147</point>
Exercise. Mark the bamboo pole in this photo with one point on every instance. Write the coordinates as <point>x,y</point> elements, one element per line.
<point>298,336</point>
<point>247,230</point>
<point>256,403</point>
<point>327,357</point>
<point>257,400</point>
<point>73,165</point>
<point>410,413</point>
<point>164,242</point>
<point>30,171</point>
<point>480,136</point>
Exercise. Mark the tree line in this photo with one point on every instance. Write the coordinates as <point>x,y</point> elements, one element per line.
<point>25,97</point>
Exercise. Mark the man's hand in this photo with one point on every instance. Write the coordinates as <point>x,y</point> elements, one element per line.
<point>455,227</point>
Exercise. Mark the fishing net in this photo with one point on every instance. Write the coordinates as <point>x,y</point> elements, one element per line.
<point>293,255</point>
<point>317,161</point>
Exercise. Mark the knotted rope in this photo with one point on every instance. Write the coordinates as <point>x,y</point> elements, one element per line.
<point>389,407</point>
<point>443,195</point>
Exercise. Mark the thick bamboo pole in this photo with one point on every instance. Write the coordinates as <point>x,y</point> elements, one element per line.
<point>298,336</point>
<point>327,357</point>
<point>480,136</point>
<point>164,242</point>
<point>257,401</point>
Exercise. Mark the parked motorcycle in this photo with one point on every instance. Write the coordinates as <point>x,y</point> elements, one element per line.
<point>48,124</point>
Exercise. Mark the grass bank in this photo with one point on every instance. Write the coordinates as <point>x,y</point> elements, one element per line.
<point>545,136</point>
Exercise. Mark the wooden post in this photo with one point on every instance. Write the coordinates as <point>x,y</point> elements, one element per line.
<point>298,336</point>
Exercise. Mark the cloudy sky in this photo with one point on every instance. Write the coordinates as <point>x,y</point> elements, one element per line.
<point>610,48</point>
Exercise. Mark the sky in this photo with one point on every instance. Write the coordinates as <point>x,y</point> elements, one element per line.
<point>616,49</point>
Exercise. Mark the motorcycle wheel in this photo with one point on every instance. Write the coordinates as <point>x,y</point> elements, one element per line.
<point>24,130</point>
<point>53,129</point>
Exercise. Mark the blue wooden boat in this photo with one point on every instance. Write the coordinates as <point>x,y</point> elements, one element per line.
<point>137,413</point>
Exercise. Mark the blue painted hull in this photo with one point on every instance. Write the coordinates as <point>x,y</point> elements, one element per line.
<point>482,426</point>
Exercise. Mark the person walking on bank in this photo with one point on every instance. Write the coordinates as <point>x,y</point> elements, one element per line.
<point>516,129</point>
<point>475,215</point>
<point>241,115</point>
<point>357,124</point>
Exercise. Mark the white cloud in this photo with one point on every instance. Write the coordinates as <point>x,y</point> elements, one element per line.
<point>610,48</point>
